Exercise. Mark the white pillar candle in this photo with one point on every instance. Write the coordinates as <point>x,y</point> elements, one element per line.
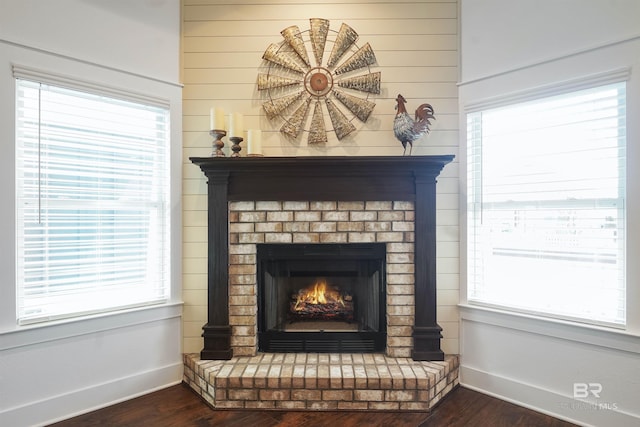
<point>254,141</point>
<point>216,119</point>
<point>235,125</point>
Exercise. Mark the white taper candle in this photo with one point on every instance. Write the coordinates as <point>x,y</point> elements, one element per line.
<point>216,119</point>
<point>254,141</point>
<point>235,125</point>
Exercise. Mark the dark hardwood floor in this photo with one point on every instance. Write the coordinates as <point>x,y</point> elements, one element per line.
<point>179,406</point>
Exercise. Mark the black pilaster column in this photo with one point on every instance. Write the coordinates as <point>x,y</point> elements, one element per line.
<point>217,331</point>
<point>426,331</point>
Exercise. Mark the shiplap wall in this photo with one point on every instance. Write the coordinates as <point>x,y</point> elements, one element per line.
<point>416,46</point>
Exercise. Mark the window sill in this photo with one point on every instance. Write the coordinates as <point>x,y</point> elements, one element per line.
<point>52,331</point>
<point>570,331</point>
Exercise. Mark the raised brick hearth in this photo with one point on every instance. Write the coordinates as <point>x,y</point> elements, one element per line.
<point>325,381</point>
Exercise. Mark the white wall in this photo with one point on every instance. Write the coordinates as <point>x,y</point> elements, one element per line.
<point>508,47</point>
<point>58,370</point>
<point>499,36</point>
<point>140,36</point>
<point>416,47</point>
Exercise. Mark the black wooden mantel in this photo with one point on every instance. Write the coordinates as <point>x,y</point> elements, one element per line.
<point>352,178</point>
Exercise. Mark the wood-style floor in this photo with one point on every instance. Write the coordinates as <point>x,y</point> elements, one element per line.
<point>179,406</point>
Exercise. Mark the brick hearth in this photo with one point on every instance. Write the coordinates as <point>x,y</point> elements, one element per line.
<point>325,381</point>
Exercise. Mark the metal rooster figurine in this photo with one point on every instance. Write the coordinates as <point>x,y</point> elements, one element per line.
<point>408,130</point>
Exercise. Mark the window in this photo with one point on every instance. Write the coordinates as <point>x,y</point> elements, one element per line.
<point>92,186</point>
<point>546,205</point>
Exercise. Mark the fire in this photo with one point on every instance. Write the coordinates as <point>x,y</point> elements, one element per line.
<point>318,293</point>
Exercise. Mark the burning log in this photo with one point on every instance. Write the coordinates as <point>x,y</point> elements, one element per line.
<point>321,302</point>
<point>328,311</point>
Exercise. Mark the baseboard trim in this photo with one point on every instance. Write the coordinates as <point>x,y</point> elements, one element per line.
<point>88,399</point>
<point>545,401</point>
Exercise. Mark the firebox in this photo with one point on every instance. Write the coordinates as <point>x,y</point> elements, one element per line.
<point>321,297</point>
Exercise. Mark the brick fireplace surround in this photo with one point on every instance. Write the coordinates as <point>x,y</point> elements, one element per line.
<point>322,200</point>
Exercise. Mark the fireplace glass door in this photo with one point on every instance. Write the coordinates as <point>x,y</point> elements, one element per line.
<point>321,297</point>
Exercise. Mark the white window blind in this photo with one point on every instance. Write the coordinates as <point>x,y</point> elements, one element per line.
<point>546,205</point>
<point>92,185</point>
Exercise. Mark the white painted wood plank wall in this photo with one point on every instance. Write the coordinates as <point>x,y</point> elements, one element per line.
<point>416,46</point>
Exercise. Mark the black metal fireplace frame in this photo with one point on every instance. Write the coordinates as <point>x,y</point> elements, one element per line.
<point>321,341</point>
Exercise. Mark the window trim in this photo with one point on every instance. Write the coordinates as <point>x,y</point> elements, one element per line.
<point>34,74</point>
<point>618,75</point>
<point>598,335</point>
<point>55,330</point>
<point>20,72</point>
<point>76,68</point>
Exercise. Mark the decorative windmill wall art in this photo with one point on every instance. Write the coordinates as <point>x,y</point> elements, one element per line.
<point>312,95</point>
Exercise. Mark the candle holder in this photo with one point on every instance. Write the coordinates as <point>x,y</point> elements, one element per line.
<point>217,135</point>
<point>236,140</point>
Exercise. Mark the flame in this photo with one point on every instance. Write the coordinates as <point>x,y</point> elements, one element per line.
<point>318,293</point>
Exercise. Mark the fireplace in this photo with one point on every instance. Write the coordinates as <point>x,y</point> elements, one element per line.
<point>298,200</point>
<point>321,298</point>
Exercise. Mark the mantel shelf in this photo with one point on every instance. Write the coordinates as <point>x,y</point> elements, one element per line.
<point>322,178</point>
